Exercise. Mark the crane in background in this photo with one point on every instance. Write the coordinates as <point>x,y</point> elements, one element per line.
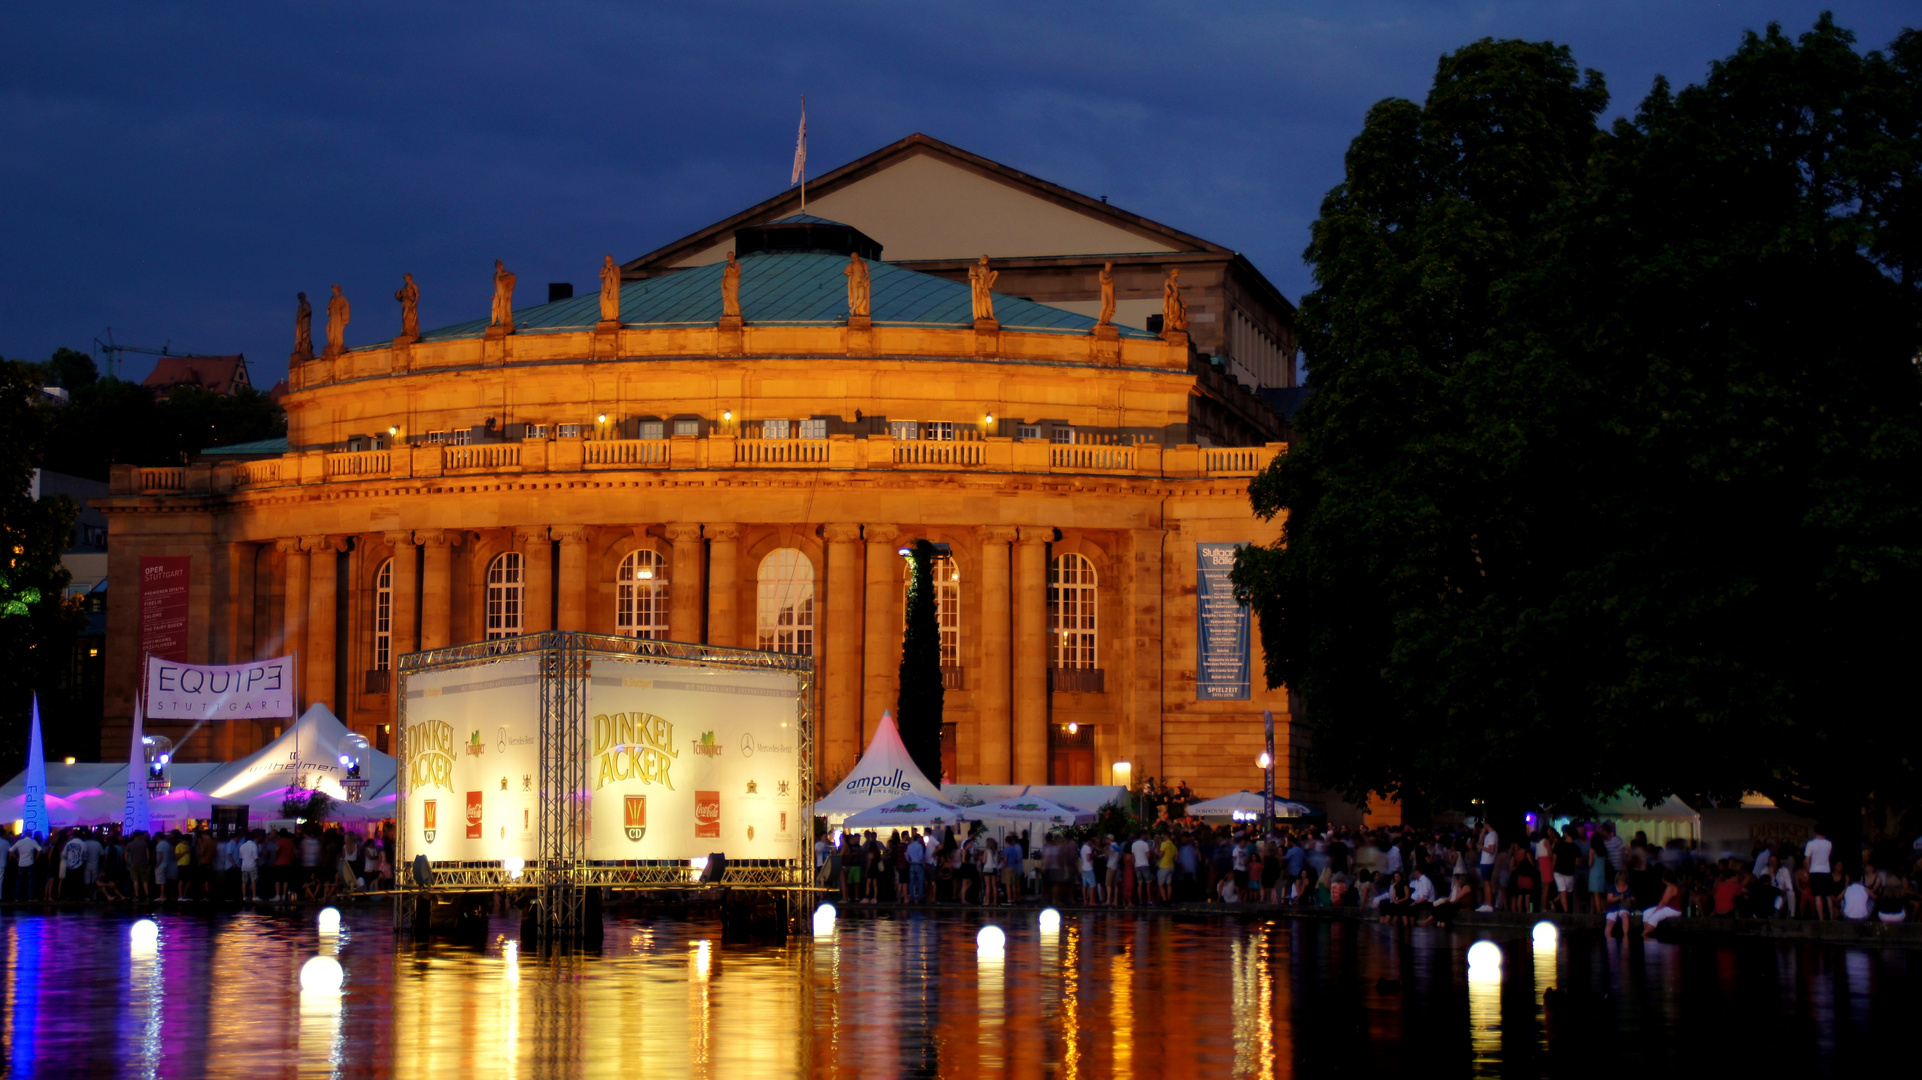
<point>112,350</point>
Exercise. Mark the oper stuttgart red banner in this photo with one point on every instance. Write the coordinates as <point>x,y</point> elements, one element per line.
<point>163,605</point>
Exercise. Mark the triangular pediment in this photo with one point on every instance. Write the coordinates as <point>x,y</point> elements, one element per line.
<point>925,200</point>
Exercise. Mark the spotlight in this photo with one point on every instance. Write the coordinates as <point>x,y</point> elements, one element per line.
<point>601,418</point>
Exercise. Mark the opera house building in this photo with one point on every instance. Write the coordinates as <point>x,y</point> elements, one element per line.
<point>729,440</point>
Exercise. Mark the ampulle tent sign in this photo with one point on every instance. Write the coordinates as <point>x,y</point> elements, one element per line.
<point>262,688</point>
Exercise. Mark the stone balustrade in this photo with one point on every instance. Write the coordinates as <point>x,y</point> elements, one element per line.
<point>715,452</point>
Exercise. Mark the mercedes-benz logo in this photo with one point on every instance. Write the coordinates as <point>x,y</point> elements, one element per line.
<point>747,744</point>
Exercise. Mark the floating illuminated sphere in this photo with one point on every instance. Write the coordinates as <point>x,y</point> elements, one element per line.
<point>144,932</point>
<point>990,939</point>
<point>1546,935</point>
<point>824,920</point>
<point>1486,955</point>
<point>1050,921</point>
<point>329,920</point>
<point>321,975</point>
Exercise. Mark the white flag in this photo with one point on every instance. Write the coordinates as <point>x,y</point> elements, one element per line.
<point>800,148</point>
<point>136,815</point>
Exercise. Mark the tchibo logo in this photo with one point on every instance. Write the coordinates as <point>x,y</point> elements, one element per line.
<point>868,785</point>
<point>707,815</point>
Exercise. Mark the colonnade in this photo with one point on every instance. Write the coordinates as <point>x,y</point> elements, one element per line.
<point>857,642</point>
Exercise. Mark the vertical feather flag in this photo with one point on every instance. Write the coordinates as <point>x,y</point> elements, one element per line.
<point>137,815</point>
<point>35,813</point>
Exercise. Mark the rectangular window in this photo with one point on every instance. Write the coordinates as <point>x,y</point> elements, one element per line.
<point>437,436</point>
<point>940,431</point>
<point>1062,434</point>
<point>537,431</point>
<point>775,429</point>
<point>904,429</point>
<point>814,429</point>
<point>458,438</point>
<point>1028,431</point>
<point>653,429</point>
<point>687,427</point>
<point>569,431</point>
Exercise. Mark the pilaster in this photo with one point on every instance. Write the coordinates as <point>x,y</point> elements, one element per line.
<point>723,575</point>
<point>881,682</point>
<point>1030,691</point>
<point>684,583</point>
<point>841,724</point>
<point>995,680</point>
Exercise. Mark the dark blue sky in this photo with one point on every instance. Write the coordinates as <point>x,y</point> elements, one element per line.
<point>179,171</point>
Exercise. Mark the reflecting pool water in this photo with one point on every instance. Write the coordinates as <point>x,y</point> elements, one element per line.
<point>874,994</point>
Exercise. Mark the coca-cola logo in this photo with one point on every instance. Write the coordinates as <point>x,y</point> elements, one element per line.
<point>707,814</point>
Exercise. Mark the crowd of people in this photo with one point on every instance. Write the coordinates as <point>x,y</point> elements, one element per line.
<point>197,866</point>
<point>1402,874</point>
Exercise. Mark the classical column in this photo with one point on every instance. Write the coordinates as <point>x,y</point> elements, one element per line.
<point>881,682</point>
<point>323,569</point>
<point>537,578</point>
<point>1031,656</point>
<point>840,656</point>
<point>406,583</point>
<point>436,589</point>
<point>293,608</point>
<point>573,613</point>
<point>233,623</point>
<point>991,685</point>
<point>723,553</point>
<point>684,583</point>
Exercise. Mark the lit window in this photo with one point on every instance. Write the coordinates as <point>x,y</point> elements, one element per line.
<point>436,436</point>
<point>458,438</point>
<point>814,429</point>
<point>775,429</point>
<point>687,427</point>
<point>947,605</point>
<point>784,609</point>
<point>941,431</point>
<point>384,617</point>
<point>640,602</point>
<point>904,429</point>
<point>568,431</point>
<point>1028,431</point>
<point>504,596</point>
<point>1062,435</point>
<point>1071,611</point>
<point>653,429</point>
<point>537,431</point>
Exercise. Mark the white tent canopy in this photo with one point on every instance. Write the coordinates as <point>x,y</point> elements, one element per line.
<point>884,773</point>
<point>1245,803</point>
<point>1089,797</point>
<point>309,750</point>
<point>1031,808</point>
<point>1668,819</point>
<point>909,810</point>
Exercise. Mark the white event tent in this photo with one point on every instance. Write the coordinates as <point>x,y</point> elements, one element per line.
<point>94,793</point>
<point>1245,805</point>
<point>884,773</point>
<point>917,811</point>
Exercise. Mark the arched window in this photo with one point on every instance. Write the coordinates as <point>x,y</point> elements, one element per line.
<point>947,605</point>
<point>384,617</point>
<point>504,596</point>
<point>640,603</point>
<point>1071,608</point>
<point>784,609</point>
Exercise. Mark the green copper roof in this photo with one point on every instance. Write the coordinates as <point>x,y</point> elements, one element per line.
<point>258,446</point>
<point>791,289</point>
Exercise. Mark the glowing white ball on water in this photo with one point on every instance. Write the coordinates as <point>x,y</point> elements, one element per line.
<point>1050,921</point>
<point>1546,935</point>
<point>1484,954</point>
<point>329,920</point>
<point>321,975</point>
<point>145,932</point>
<point>824,920</point>
<point>991,939</point>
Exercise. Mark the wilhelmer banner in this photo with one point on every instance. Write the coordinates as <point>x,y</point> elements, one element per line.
<point>263,688</point>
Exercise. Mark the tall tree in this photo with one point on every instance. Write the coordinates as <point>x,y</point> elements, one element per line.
<point>918,710</point>
<point>1611,476</point>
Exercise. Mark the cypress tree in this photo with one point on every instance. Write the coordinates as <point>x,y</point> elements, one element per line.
<point>918,711</point>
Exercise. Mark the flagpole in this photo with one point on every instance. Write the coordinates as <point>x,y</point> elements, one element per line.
<point>804,153</point>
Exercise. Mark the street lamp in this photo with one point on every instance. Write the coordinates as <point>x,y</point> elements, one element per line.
<point>1267,763</point>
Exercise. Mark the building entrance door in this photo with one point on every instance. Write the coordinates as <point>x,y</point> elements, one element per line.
<point>1070,756</point>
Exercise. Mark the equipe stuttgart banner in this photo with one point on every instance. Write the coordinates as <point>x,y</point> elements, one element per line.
<point>685,761</point>
<point>472,761</point>
<point>263,688</point>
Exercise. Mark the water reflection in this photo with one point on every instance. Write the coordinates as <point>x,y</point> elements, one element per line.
<point>885,995</point>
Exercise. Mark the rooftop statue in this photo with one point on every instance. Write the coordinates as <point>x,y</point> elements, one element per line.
<point>858,285</point>
<point>1107,296</point>
<point>731,288</point>
<point>337,315</point>
<point>503,298</point>
<point>1174,311</point>
<point>409,297</point>
<point>981,279</point>
<point>610,290</point>
<point>304,330</point>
